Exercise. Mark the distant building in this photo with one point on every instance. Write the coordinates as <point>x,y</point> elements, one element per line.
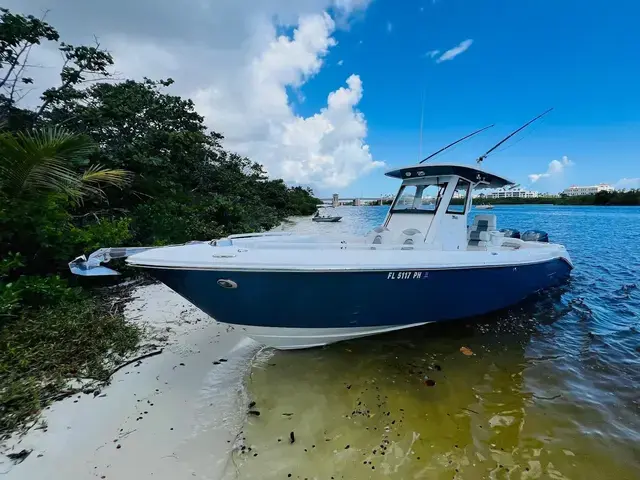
<point>513,193</point>
<point>336,200</point>
<point>574,190</point>
<point>356,202</point>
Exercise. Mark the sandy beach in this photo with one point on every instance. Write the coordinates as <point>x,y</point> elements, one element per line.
<point>174,415</point>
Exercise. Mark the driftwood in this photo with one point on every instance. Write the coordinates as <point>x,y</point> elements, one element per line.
<point>133,360</point>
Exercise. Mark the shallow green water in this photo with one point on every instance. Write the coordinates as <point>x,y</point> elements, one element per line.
<point>551,390</point>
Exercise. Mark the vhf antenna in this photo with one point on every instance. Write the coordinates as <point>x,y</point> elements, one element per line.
<point>456,142</point>
<point>482,157</point>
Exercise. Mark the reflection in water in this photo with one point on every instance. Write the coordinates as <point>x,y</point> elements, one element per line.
<point>551,391</point>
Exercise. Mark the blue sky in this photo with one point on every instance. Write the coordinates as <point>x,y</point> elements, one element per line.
<point>261,72</point>
<point>580,58</point>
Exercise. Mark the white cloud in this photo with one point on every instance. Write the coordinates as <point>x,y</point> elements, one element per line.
<point>327,149</point>
<point>348,6</point>
<point>389,27</point>
<point>455,51</point>
<point>627,184</point>
<point>229,58</point>
<point>432,53</point>
<point>331,143</point>
<point>555,168</point>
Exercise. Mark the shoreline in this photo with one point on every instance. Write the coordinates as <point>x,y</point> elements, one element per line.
<point>174,415</point>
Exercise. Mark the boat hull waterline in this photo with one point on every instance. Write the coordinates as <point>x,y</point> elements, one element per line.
<point>291,310</point>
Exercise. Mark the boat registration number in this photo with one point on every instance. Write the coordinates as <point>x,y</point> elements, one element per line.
<point>407,275</point>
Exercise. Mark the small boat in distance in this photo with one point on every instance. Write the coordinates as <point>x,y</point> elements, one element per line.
<point>484,207</point>
<point>322,215</point>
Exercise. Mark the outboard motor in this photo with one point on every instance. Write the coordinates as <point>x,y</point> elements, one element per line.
<point>510,232</point>
<point>535,236</point>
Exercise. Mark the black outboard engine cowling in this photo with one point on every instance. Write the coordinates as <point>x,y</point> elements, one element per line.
<point>510,232</point>
<point>535,236</point>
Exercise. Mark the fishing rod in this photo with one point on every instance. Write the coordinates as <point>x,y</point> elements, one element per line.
<point>456,142</point>
<point>482,157</point>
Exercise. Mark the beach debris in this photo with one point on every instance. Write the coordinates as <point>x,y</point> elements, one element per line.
<point>20,456</point>
<point>429,383</point>
<point>466,351</point>
<point>287,414</point>
<point>252,404</point>
<point>222,360</point>
<point>292,437</point>
<point>254,412</point>
<point>136,359</point>
<point>437,367</point>
<point>348,387</point>
<point>216,363</point>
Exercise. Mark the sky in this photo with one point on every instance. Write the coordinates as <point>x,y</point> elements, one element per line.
<point>330,93</point>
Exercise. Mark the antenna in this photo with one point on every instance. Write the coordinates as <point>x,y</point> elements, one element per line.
<point>421,123</point>
<point>456,142</point>
<point>482,157</point>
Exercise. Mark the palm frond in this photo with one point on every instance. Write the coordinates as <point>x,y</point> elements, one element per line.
<point>48,158</point>
<point>92,179</point>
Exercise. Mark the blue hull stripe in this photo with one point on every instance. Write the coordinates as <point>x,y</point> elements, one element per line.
<point>359,299</point>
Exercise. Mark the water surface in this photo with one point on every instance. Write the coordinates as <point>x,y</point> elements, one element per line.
<point>550,391</point>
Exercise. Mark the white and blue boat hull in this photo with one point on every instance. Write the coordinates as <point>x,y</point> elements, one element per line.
<point>286,309</point>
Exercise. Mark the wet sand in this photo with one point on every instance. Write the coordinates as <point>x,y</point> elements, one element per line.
<point>172,416</point>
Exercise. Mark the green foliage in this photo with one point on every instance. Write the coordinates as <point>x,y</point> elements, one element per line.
<point>29,292</point>
<point>48,159</point>
<point>42,348</point>
<point>47,236</point>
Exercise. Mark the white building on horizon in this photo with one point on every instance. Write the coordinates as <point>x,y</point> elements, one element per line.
<point>512,193</point>
<point>574,190</point>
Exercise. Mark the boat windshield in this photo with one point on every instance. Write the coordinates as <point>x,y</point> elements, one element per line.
<point>460,195</point>
<point>418,198</point>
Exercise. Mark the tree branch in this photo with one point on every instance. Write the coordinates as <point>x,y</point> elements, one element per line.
<point>13,64</point>
<point>19,74</point>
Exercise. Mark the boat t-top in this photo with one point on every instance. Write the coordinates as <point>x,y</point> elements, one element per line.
<point>429,261</point>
